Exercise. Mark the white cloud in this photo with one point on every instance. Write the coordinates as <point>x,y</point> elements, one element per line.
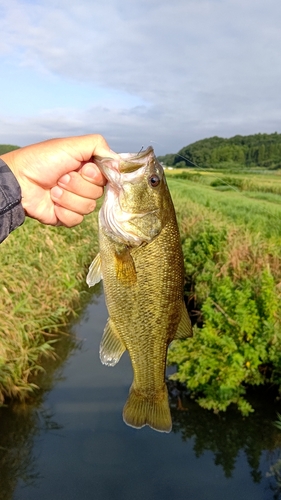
<point>198,67</point>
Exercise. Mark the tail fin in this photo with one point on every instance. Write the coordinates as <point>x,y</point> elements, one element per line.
<point>140,410</point>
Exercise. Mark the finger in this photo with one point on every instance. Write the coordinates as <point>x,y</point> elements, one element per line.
<point>67,217</point>
<point>91,145</point>
<point>101,147</point>
<point>75,183</point>
<point>73,202</point>
<point>92,173</point>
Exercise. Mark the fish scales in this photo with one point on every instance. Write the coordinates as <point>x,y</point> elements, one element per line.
<point>153,303</point>
<point>143,285</point>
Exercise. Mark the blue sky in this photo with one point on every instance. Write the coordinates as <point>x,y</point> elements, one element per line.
<point>140,72</point>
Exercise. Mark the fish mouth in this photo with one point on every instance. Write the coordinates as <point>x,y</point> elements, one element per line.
<point>117,218</point>
<point>128,163</point>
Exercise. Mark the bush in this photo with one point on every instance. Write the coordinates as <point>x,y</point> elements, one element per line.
<point>195,177</point>
<point>234,283</point>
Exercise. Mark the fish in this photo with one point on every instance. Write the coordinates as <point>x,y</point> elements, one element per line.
<point>141,263</point>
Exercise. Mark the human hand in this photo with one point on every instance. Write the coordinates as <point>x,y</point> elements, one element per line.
<point>59,182</point>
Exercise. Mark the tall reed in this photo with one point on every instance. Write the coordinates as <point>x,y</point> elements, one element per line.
<point>42,282</point>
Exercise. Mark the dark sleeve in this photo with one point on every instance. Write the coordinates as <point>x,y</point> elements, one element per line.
<point>11,210</point>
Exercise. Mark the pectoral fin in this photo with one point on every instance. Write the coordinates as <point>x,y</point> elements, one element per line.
<point>111,346</point>
<point>184,329</point>
<point>125,267</point>
<point>94,275</point>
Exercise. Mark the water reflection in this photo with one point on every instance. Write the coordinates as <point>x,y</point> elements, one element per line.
<point>70,442</point>
<point>19,426</point>
<point>227,434</point>
<point>20,423</point>
<point>274,475</point>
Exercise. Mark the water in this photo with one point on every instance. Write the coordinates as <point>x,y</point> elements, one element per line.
<point>71,442</point>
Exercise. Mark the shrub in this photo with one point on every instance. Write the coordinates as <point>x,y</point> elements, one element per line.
<point>235,285</point>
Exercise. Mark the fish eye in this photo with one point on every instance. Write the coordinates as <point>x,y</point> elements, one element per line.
<point>154,180</point>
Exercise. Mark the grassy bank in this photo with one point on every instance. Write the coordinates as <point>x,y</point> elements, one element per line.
<point>43,273</point>
<point>264,182</point>
<point>232,254</point>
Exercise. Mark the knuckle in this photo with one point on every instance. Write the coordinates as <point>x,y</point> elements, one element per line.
<point>91,207</point>
<point>100,138</point>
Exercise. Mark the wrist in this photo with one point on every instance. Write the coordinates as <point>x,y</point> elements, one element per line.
<point>11,210</point>
<point>11,161</point>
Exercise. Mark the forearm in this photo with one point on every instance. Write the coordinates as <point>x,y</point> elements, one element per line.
<point>11,211</point>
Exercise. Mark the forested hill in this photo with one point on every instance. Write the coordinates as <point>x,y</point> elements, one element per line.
<point>263,150</point>
<point>5,148</point>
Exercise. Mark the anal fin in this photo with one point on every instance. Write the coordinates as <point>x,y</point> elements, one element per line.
<point>185,328</point>
<point>111,346</point>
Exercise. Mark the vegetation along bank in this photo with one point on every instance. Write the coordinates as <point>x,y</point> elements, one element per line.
<point>231,242</point>
<point>43,272</point>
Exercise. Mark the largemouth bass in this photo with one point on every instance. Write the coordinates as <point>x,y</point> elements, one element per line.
<point>141,264</point>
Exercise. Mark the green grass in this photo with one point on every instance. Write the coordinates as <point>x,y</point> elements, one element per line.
<point>270,197</point>
<point>42,284</point>
<point>246,181</point>
<point>258,215</point>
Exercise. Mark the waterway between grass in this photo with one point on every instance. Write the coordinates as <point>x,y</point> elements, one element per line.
<point>71,442</point>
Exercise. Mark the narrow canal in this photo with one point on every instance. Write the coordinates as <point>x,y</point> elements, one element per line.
<point>71,442</point>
